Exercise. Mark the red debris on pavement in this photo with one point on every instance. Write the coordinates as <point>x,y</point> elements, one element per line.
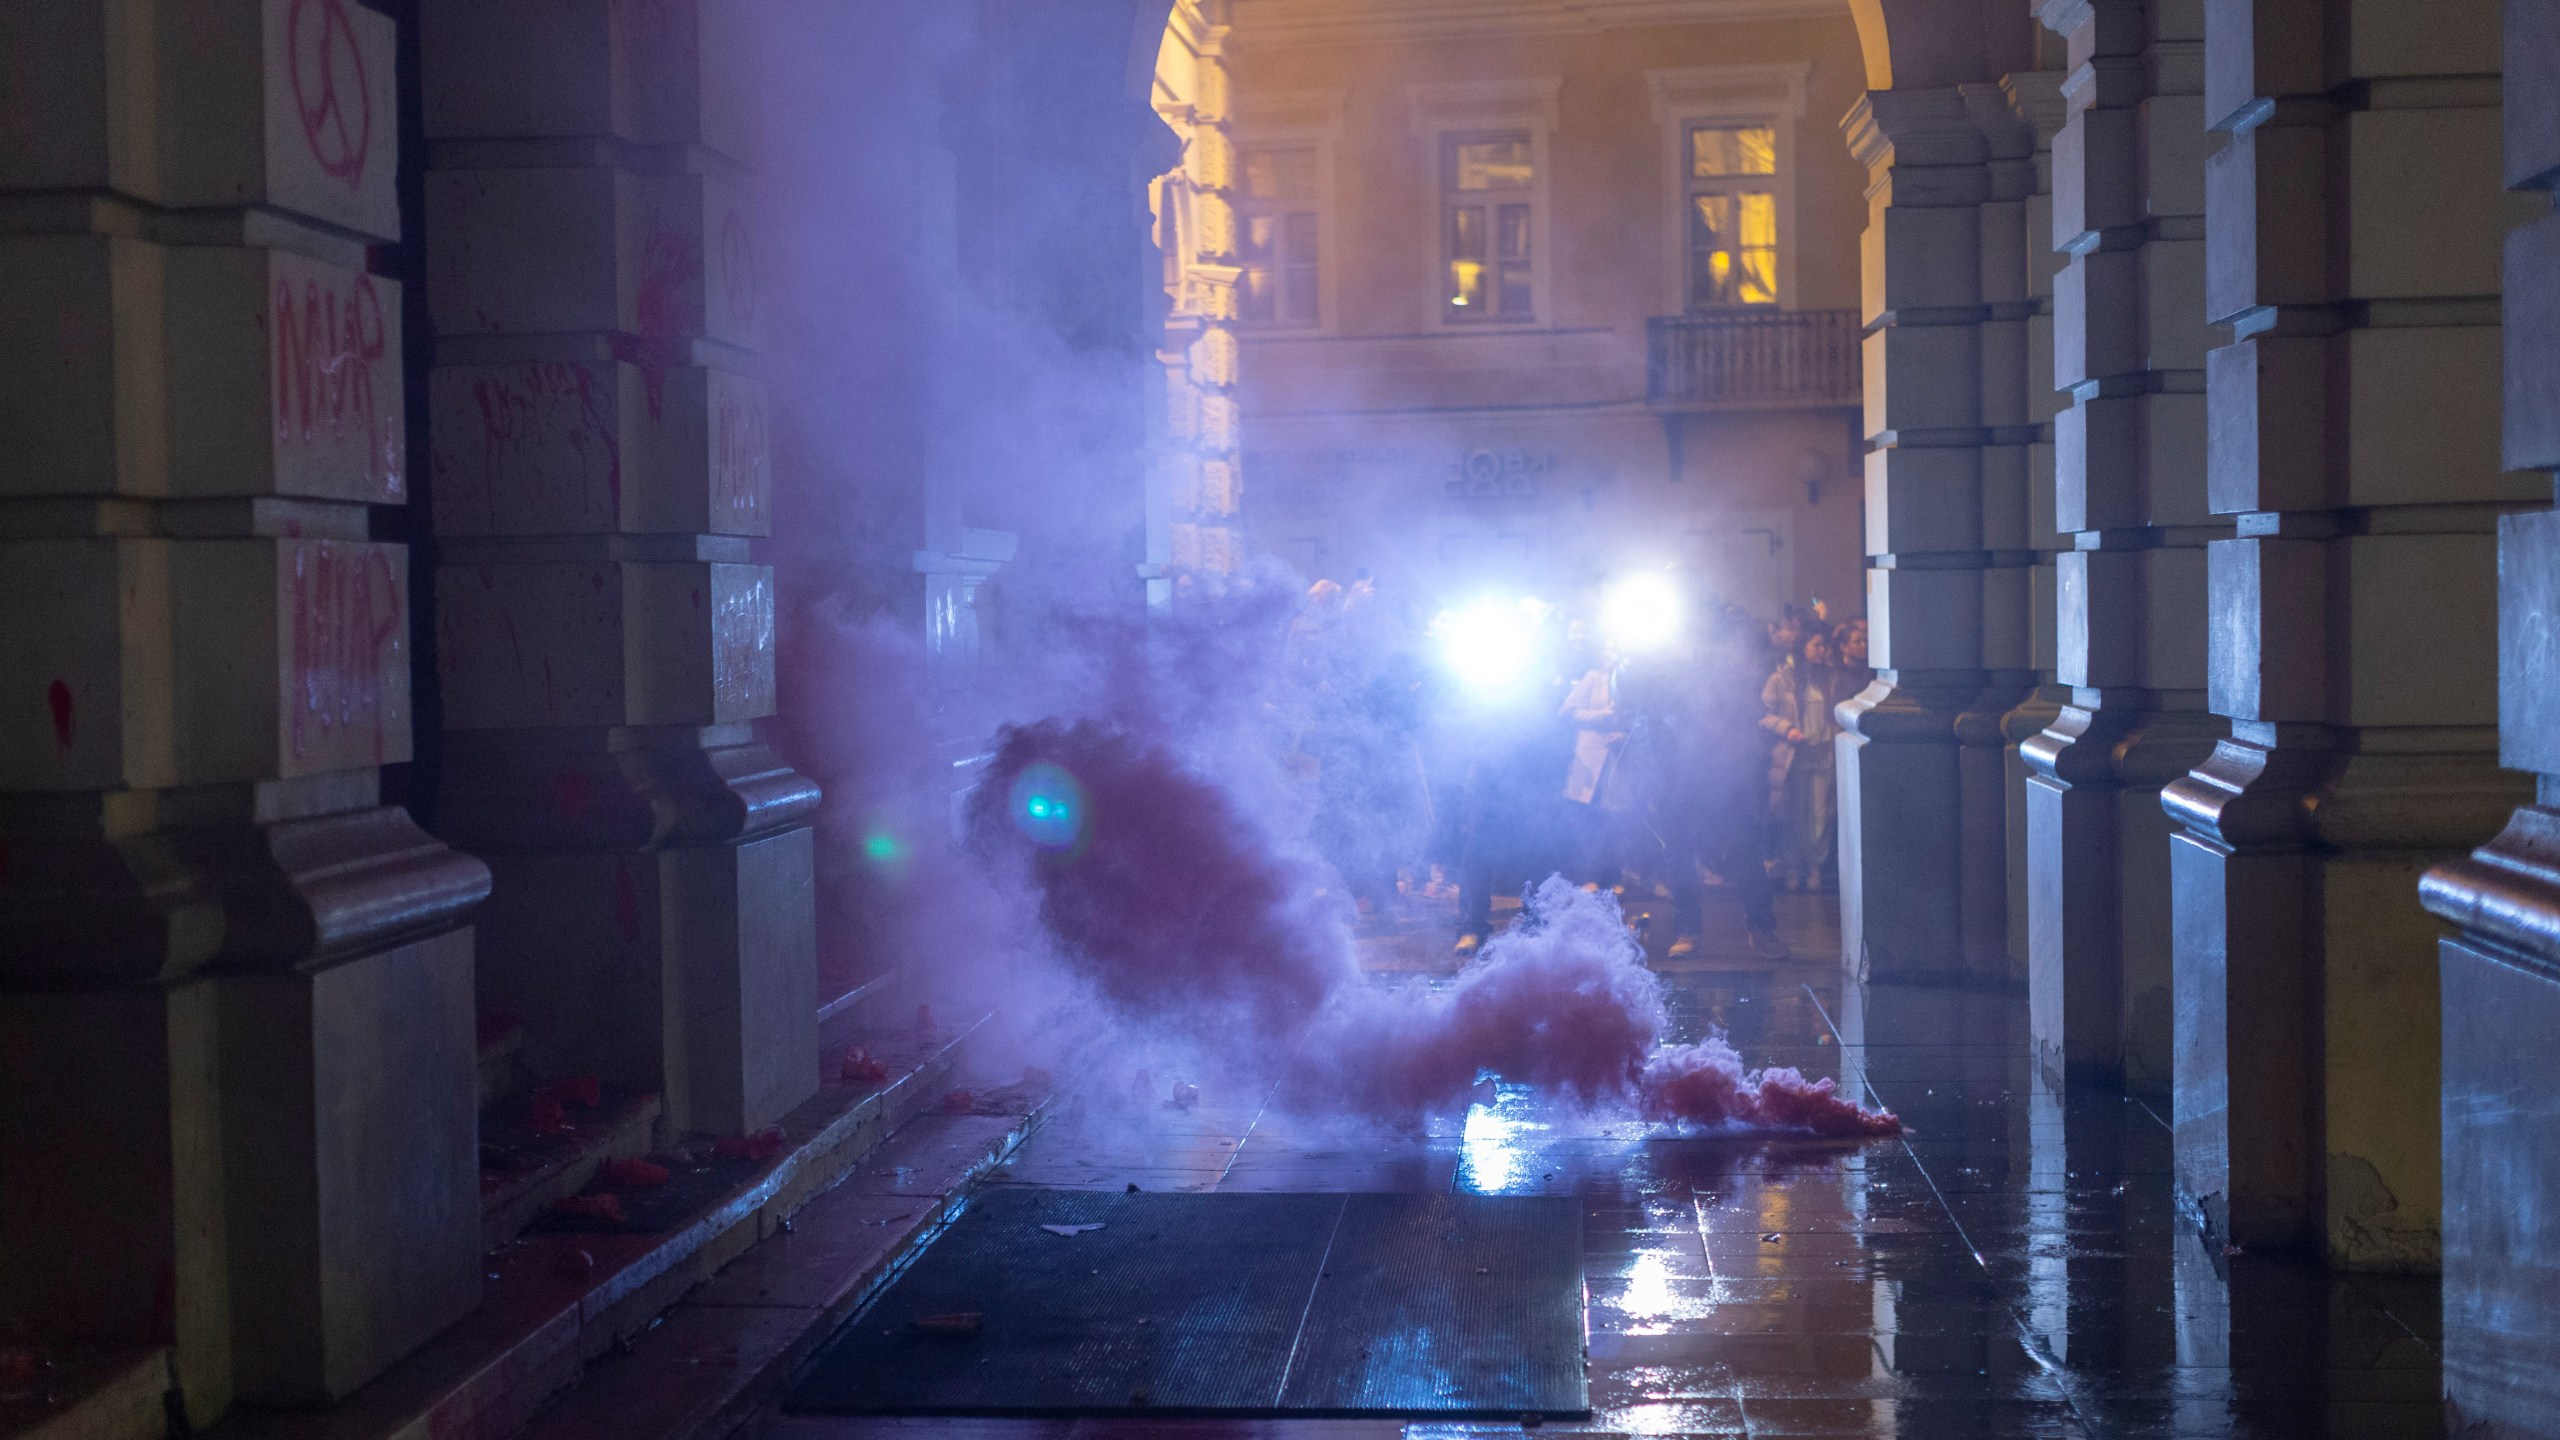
<point>605,1207</point>
<point>636,1173</point>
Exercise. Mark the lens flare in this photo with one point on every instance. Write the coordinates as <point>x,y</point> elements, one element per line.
<point>1643,613</point>
<point>1048,807</point>
<point>1492,646</point>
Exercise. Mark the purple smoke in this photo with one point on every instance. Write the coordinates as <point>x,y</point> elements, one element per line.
<point>1177,907</point>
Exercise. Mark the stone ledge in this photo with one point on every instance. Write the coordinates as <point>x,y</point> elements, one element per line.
<point>723,1352</point>
<point>94,1394</point>
<point>555,1303</point>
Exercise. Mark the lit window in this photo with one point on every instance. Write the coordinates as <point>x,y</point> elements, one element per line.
<point>1733,216</point>
<point>1487,227</point>
<point>1276,238</point>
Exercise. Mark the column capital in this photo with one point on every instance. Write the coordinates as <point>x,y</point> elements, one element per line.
<point>1889,129</point>
<point>2035,97</point>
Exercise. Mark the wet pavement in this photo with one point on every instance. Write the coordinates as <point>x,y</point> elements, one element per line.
<point>2014,1266</point>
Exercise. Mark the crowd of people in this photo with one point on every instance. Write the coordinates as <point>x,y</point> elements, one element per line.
<point>1640,769</point>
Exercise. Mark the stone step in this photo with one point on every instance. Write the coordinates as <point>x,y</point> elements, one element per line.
<point>714,1359</point>
<point>84,1393</point>
<point>516,1192</point>
<point>555,1303</point>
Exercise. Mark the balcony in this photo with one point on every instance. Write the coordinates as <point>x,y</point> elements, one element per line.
<point>1753,360</point>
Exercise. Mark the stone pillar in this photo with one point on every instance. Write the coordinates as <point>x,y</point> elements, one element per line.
<point>2353,218</point>
<point>2023,112</point>
<point>1951,310</point>
<point>2129,348</point>
<point>2501,975</point>
<point>236,1060</point>
<point>605,629</point>
<point>1197,460</point>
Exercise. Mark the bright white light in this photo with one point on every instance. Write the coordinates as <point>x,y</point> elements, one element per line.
<point>1491,646</point>
<point>1644,612</point>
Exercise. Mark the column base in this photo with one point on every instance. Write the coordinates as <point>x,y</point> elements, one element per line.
<point>351,1170</point>
<point>1902,834</point>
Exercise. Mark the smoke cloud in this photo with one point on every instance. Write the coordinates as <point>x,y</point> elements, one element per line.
<point>946,193</point>
<point>1185,915</point>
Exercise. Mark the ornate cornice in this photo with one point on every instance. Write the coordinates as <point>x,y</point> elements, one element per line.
<point>1277,23</point>
<point>2507,891</point>
<point>1778,88</point>
<point>1913,127</point>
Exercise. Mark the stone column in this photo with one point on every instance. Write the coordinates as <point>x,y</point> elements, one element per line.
<point>2353,218</point>
<point>2129,348</point>
<point>1902,830</point>
<point>1199,469</point>
<point>1951,313</point>
<point>236,1060</point>
<point>605,626</point>
<point>2501,976</point>
<point>2019,117</point>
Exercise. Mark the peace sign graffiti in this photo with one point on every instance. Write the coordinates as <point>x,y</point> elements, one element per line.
<point>330,91</point>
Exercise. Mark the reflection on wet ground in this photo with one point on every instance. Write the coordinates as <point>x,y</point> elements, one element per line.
<point>2014,1267</point>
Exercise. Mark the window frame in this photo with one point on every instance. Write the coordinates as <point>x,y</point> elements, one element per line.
<point>1492,201</point>
<point>1696,186</point>
<point>1294,120</point>
<point>1248,209</point>
<point>1444,113</point>
<point>1726,97</point>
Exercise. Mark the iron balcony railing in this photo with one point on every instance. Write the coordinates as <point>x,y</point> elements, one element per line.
<point>1745,359</point>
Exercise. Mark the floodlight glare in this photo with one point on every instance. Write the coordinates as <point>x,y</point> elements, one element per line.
<point>1491,646</point>
<point>1643,612</point>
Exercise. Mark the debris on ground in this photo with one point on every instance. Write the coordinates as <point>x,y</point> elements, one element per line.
<point>859,1068</point>
<point>1070,1230</point>
<point>762,1145</point>
<point>1185,1095</point>
<point>606,1208</point>
<point>633,1172</point>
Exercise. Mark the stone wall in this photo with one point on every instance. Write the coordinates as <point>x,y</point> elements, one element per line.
<point>2353,218</point>
<point>2501,975</point>
<point>212,1140</point>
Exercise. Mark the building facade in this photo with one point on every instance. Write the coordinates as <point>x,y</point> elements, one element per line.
<point>1529,295</point>
<point>432,435</point>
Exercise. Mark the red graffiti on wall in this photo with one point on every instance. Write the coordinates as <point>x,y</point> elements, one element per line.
<point>57,698</point>
<point>327,343</point>
<point>738,269</point>
<point>668,262</point>
<point>741,450</point>
<point>331,92</point>
<point>524,411</point>
<point>348,613</point>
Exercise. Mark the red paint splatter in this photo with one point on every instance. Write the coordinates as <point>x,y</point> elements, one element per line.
<point>57,698</point>
<point>668,265</point>
<point>524,413</point>
<point>328,72</point>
